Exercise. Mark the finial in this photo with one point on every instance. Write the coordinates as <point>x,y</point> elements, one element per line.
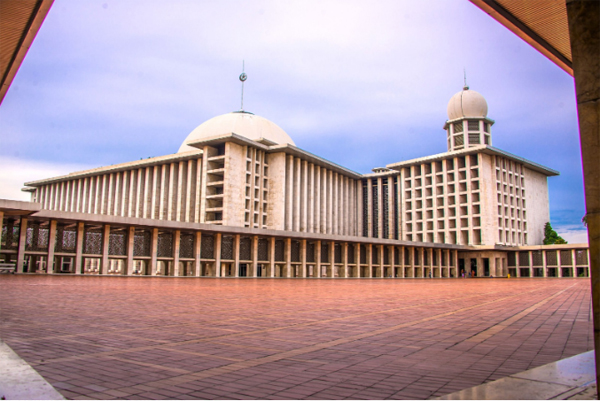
<point>243,77</point>
<point>465,87</point>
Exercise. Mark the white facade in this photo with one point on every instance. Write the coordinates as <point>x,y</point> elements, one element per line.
<point>241,170</point>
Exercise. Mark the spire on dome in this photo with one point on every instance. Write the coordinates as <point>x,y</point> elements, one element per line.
<point>243,77</point>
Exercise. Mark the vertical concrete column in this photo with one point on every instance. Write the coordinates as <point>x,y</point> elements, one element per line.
<point>379,217</point>
<point>303,272</point>
<point>318,259</point>
<point>393,261</point>
<point>153,252</point>
<point>255,256</point>
<point>380,260</point>
<point>530,255</point>
<point>105,243</point>
<point>289,193</point>
<point>584,30</point>
<point>370,260</point>
<point>574,261</point>
<point>345,258</point>
<point>236,255</point>
<point>176,247</point>
<point>22,244</point>
<point>130,242</point>
<point>198,254</point>
<point>217,255</point>
<point>272,257</point>
<point>288,257</point>
<point>559,263</point>
<point>544,263</point>
<point>370,217</point>
<point>51,245</point>
<point>357,259</point>
<point>359,208</point>
<point>79,247</point>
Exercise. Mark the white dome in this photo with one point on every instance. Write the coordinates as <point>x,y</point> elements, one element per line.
<point>467,103</point>
<point>242,123</point>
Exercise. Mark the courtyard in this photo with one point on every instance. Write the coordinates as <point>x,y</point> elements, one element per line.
<point>203,338</point>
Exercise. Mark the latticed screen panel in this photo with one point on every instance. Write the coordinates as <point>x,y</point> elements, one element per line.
<point>474,138</point>
<point>363,254</point>
<point>279,250</point>
<point>416,258</point>
<point>324,252</point>
<point>386,256</point>
<point>186,245</point>
<point>365,190</point>
<point>434,261</point>
<point>566,258</point>
<point>92,242</point>
<point>37,238</point>
<point>512,258</point>
<point>263,249</point>
<point>227,247</point>
<point>374,254</point>
<point>581,257</point>
<point>473,125</point>
<point>350,255</point>
<point>142,241</point>
<point>66,239</point>
<point>375,219</point>
<point>295,251</point>
<point>245,248</point>
<point>337,251</point>
<point>406,256</point>
<point>117,243</point>
<point>551,259</point>
<point>165,245</point>
<point>207,246</point>
<point>444,259</point>
<point>310,252</point>
<point>537,258</point>
<point>523,258</point>
<point>10,235</point>
<point>425,257</point>
<point>459,140</point>
<point>458,127</point>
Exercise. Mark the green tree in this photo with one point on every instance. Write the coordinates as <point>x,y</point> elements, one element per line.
<point>551,237</point>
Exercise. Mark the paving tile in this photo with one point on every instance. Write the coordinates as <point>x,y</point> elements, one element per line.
<point>157,338</point>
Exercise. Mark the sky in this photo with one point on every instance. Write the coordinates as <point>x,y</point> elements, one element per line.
<point>361,83</point>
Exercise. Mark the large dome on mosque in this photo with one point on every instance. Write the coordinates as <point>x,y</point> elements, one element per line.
<point>467,103</point>
<point>241,123</point>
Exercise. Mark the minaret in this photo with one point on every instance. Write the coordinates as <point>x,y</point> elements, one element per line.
<point>467,124</point>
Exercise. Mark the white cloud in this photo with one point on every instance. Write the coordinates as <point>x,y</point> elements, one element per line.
<point>573,234</point>
<point>14,172</point>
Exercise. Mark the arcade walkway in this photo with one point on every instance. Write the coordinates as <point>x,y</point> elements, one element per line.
<point>144,337</point>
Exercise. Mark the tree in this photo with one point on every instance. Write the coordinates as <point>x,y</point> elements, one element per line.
<point>551,237</point>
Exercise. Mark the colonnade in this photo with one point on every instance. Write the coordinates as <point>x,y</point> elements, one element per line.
<point>54,246</point>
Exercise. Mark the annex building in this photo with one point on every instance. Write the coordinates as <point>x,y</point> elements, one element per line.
<point>239,199</point>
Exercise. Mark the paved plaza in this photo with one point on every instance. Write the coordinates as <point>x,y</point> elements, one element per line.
<point>188,338</point>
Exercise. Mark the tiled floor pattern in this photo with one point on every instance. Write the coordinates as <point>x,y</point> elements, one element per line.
<point>187,338</point>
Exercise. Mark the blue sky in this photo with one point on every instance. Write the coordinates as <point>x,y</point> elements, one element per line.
<point>363,84</point>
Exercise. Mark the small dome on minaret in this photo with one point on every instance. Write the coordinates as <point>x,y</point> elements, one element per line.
<point>467,103</point>
<point>468,125</point>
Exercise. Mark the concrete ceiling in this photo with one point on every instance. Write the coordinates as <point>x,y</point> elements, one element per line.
<point>20,21</point>
<point>541,23</point>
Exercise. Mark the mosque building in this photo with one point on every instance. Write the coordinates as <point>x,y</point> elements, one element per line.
<point>239,199</point>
